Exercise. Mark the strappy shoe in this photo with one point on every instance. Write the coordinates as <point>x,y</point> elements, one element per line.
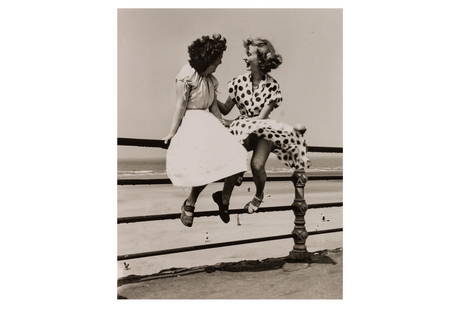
<point>253,205</point>
<point>187,214</point>
<point>223,209</point>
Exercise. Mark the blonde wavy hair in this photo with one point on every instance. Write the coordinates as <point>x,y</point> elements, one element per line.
<point>267,57</point>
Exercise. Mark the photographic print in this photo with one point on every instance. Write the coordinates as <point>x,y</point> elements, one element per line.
<point>229,154</point>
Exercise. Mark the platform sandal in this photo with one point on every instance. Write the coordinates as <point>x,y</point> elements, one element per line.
<point>253,205</point>
<point>223,209</point>
<point>187,214</point>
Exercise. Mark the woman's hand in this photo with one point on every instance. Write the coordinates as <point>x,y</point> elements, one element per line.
<point>168,137</point>
<point>226,107</point>
<point>265,112</point>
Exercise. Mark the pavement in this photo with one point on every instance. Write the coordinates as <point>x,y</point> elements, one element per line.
<point>273,278</point>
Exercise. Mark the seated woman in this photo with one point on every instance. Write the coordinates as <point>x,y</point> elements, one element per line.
<point>257,94</point>
<point>201,150</point>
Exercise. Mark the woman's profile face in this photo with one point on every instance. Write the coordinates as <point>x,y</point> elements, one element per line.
<point>251,53</point>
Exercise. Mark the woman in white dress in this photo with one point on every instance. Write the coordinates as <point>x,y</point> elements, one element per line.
<point>201,150</point>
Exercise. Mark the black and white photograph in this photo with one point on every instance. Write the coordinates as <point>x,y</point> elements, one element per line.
<point>230,154</point>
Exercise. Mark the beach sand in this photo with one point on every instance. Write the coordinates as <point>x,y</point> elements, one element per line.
<point>158,235</point>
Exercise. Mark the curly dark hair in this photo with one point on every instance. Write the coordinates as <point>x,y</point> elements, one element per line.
<point>205,50</point>
<point>266,54</point>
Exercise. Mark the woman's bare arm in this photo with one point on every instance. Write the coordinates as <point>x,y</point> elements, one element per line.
<point>226,107</point>
<point>215,110</point>
<point>180,110</point>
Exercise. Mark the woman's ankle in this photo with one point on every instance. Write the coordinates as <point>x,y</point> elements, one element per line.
<point>257,200</point>
<point>225,200</point>
<point>190,202</point>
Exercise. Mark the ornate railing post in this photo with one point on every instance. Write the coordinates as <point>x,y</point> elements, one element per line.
<point>299,234</point>
<point>299,206</point>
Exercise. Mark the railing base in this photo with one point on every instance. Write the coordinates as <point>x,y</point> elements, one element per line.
<point>299,257</point>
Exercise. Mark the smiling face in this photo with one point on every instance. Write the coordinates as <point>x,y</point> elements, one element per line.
<point>251,58</point>
<point>254,51</point>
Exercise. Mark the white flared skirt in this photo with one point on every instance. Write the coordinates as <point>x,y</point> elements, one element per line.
<point>203,151</point>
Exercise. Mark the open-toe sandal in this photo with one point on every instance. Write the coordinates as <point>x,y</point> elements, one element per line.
<point>187,214</point>
<point>223,209</point>
<point>253,205</point>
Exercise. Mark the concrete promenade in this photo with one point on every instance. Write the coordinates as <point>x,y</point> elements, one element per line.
<point>266,279</point>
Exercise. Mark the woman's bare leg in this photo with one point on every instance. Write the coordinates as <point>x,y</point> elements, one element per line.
<point>259,158</point>
<point>194,194</point>
<point>228,188</point>
<point>229,182</point>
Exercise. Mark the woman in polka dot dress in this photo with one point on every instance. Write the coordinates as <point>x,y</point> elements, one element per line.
<point>257,94</point>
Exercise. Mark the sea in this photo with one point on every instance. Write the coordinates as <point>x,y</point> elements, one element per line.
<point>321,164</point>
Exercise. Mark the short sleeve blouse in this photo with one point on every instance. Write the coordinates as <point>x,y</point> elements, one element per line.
<point>250,102</point>
<point>199,91</point>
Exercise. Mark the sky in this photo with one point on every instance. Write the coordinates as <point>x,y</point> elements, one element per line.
<point>152,48</point>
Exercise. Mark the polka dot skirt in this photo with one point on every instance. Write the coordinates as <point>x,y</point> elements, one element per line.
<point>289,145</point>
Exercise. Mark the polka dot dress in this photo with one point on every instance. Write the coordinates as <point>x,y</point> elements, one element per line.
<point>288,144</point>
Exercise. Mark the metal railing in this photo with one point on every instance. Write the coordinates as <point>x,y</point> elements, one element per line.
<point>299,207</point>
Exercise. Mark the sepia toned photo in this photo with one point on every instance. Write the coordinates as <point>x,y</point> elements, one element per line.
<point>180,154</point>
<point>230,154</point>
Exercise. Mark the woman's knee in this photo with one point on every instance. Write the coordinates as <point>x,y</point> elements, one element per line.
<point>257,164</point>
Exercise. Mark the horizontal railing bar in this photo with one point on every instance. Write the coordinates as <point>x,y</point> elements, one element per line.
<point>217,245</point>
<point>200,247</point>
<point>246,179</point>
<point>161,144</point>
<point>172,216</point>
<point>325,231</point>
<point>142,142</point>
<point>324,149</point>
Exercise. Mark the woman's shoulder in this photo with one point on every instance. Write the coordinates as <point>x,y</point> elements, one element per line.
<point>186,74</point>
<point>240,78</point>
<point>272,80</point>
<point>214,80</point>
